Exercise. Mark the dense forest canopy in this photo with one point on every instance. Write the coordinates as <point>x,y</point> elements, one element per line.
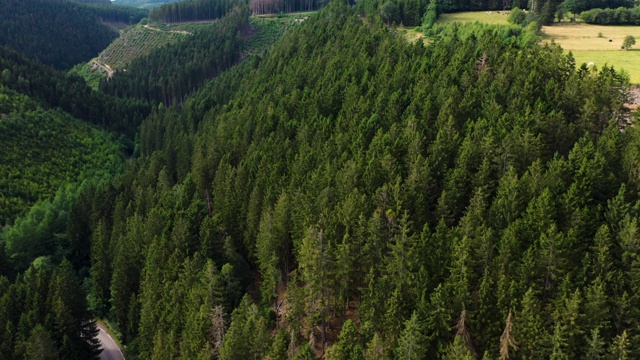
<point>407,196</point>
<point>43,149</point>
<point>56,32</point>
<point>193,10</point>
<point>344,194</point>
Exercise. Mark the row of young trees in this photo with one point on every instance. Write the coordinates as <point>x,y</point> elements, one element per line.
<point>470,197</point>
<point>170,73</point>
<point>578,6</point>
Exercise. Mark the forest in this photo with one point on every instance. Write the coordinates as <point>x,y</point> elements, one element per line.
<point>343,194</point>
<point>44,29</point>
<point>170,73</point>
<point>193,10</point>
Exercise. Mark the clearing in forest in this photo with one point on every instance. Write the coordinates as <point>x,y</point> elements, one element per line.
<point>134,42</point>
<point>598,44</point>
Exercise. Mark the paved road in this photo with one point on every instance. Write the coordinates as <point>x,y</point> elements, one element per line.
<point>110,350</point>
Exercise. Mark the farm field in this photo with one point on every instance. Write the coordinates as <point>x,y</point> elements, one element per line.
<point>584,42</point>
<point>487,17</point>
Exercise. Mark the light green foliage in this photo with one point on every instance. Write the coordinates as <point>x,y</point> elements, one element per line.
<point>430,16</point>
<point>628,42</point>
<point>44,149</point>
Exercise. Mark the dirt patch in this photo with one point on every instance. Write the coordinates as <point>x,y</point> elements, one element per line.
<point>104,67</point>
<point>169,31</point>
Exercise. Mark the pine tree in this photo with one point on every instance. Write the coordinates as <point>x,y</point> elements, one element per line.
<point>595,346</point>
<point>411,344</point>
<point>40,346</point>
<point>72,321</point>
<point>619,349</point>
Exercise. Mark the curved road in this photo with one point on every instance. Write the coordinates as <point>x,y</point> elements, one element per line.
<point>110,350</point>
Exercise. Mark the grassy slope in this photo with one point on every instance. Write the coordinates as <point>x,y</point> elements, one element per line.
<point>490,17</point>
<point>268,28</point>
<point>41,150</point>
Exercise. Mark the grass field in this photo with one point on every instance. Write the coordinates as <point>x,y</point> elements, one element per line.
<point>487,17</point>
<point>584,42</point>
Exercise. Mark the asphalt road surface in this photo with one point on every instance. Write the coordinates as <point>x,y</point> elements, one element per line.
<point>110,350</point>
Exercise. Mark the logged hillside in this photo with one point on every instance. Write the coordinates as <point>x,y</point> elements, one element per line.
<point>135,42</point>
<point>55,32</point>
<point>472,196</point>
<point>168,74</point>
<point>143,41</point>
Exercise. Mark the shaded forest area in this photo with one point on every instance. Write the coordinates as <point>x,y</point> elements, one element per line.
<point>45,29</point>
<point>193,10</point>
<point>53,88</point>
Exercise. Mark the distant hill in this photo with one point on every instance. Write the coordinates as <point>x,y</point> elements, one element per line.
<point>57,32</point>
<point>144,4</point>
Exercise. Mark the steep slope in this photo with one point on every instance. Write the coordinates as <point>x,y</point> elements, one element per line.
<point>53,88</point>
<point>55,32</point>
<point>45,149</point>
<point>448,192</point>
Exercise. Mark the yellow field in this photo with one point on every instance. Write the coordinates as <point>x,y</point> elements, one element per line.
<point>481,16</point>
<point>587,46</point>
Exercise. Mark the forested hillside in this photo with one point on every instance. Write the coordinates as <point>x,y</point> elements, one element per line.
<point>343,194</point>
<point>55,32</point>
<point>193,10</point>
<point>168,74</point>
<point>70,93</point>
<point>44,149</point>
<point>470,197</point>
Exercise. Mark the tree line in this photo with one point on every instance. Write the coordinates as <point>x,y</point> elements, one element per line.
<point>193,10</point>
<point>619,16</point>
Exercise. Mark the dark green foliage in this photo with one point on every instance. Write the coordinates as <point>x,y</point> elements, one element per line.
<point>109,12</point>
<point>193,10</point>
<point>611,16</point>
<point>578,6</point>
<point>44,316</point>
<point>468,179</point>
<point>55,32</point>
<point>54,89</point>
